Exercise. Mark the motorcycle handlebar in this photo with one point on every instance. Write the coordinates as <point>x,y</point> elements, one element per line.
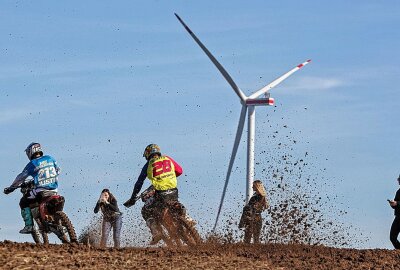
<point>25,184</point>
<point>133,201</point>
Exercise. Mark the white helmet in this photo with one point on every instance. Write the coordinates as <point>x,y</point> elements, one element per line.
<point>33,150</point>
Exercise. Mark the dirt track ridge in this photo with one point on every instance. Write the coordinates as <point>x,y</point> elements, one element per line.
<point>229,256</point>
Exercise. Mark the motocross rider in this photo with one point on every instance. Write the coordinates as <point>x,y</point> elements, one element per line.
<point>44,171</point>
<point>162,171</point>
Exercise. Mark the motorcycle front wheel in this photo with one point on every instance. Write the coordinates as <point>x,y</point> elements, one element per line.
<point>189,234</point>
<point>68,234</point>
<point>39,236</point>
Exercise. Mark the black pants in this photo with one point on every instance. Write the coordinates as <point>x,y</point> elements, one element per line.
<point>150,211</point>
<point>169,198</point>
<point>394,232</point>
<point>25,201</point>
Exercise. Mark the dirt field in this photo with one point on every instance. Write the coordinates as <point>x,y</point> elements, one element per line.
<point>270,256</point>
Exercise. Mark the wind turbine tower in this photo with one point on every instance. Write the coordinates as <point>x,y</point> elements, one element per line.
<point>249,104</point>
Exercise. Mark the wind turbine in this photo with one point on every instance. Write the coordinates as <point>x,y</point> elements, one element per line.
<point>248,103</point>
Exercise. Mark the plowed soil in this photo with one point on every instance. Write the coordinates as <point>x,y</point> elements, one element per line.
<point>233,256</point>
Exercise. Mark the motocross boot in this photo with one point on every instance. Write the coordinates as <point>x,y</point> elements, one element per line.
<point>155,231</point>
<point>27,216</point>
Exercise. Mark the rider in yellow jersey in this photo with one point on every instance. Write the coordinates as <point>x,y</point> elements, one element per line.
<point>162,172</point>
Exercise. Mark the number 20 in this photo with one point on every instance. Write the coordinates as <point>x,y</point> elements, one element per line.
<point>161,167</point>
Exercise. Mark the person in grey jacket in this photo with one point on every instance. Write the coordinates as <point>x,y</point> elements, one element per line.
<point>112,217</point>
<point>395,229</point>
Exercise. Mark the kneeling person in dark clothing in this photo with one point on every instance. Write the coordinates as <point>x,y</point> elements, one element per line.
<point>251,220</point>
<point>395,229</point>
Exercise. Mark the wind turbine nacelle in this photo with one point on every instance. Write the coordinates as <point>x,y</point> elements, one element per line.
<point>260,102</point>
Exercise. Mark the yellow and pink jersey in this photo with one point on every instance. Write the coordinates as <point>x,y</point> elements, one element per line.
<point>162,173</point>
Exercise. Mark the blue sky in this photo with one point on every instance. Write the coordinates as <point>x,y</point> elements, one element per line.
<point>97,81</point>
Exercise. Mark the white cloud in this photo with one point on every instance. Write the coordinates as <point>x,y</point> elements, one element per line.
<point>316,83</point>
<point>14,114</point>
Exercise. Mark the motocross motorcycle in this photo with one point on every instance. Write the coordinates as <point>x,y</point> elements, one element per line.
<point>176,229</point>
<point>49,217</point>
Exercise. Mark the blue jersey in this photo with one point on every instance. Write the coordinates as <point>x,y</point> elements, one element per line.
<point>43,170</point>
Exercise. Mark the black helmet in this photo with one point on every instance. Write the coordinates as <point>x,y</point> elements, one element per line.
<point>33,150</point>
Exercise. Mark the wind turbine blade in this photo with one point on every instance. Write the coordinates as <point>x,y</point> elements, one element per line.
<point>277,81</point>
<point>221,69</point>
<point>234,151</point>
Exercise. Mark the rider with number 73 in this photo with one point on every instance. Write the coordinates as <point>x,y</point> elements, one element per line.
<point>44,171</point>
